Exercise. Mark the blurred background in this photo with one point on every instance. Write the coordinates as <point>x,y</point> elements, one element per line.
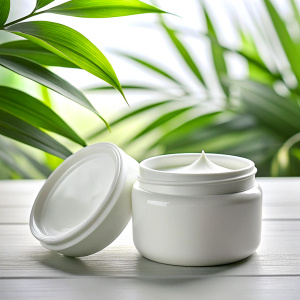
<point>222,76</point>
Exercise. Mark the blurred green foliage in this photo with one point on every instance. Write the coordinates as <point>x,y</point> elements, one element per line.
<point>257,117</point>
<point>29,120</point>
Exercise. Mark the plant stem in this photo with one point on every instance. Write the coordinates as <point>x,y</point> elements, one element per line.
<point>21,19</point>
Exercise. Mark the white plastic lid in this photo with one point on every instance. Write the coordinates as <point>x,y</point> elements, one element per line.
<point>86,202</point>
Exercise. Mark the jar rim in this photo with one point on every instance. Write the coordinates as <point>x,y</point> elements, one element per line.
<point>151,169</point>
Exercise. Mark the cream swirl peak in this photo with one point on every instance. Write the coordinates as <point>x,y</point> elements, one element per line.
<point>201,166</point>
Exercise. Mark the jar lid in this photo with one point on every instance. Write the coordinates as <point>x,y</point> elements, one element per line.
<point>86,202</point>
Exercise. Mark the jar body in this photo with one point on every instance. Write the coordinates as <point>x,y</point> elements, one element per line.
<point>201,230</point>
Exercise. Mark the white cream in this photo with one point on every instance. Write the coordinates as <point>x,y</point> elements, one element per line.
<point>201,166</point>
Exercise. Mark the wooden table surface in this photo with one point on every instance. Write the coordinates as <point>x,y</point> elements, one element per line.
<point>28,271</point>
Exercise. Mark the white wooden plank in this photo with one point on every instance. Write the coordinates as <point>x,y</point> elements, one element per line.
<point>28,271</point>
<point>16,200</point>
<point>16,193</point>
<point>22,256</point>
<point>281,197</point>
<point>205,287</point>
<point>24,186</point>
<point>13,215</point>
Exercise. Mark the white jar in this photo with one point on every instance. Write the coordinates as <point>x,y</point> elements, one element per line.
<point>196,219</point>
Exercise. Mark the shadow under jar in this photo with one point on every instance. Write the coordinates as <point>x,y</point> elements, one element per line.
<point>196,219</point>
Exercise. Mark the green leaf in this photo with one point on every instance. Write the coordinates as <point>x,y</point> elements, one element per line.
<point>290,48</point>
<point>4,11</point>
<point>5,171</point>
<point>132,113</point>
<point>248,47</point>
<point>10,162</point>
<point>124,86</point>
<point>150,65</point>
<point>250,56</point>
<point>42,3</point>
<point>45,97</point>
<point>41,168</point>
<point>103,8</point>
<point>217,54</point>
<point>283,163</point>
<point>184,128</point>
<point>277,114</point>
<point>159,122</point>
<point>8,158</point>
<point>216,128</point>
<point>17,129</point>
<point>45,77</point>
<point>183,52</point>
<point>257,68</point>
<point>34,52</point>
<point>258,74</point>
<point>35,112</point>
<point>12,151</point>
<point>257,63</point>
<point>71,45</point>
<point>254,143</point>
<point>296,11</point>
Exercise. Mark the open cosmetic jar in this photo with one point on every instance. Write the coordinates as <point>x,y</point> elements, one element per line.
<point>183,217</point>
<point>187,209</point>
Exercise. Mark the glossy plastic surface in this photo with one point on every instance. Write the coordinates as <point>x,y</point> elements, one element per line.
<point>86,202</point>
<point>196,223</point>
